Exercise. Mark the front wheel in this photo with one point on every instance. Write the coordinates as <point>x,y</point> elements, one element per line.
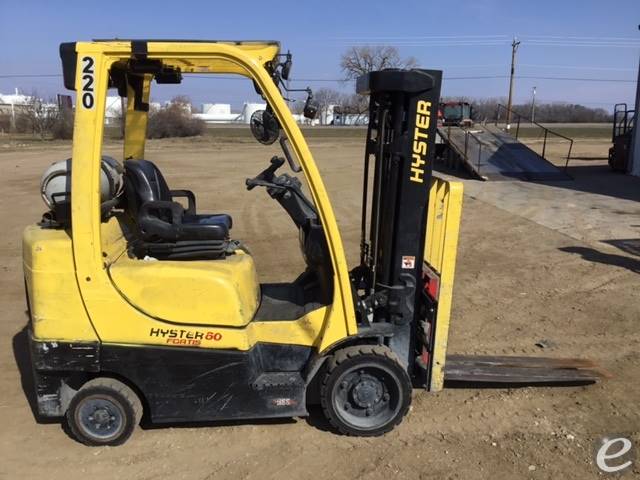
<point>365,390</point>
<point>105,411</point>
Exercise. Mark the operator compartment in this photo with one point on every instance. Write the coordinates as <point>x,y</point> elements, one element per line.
<point>180,267</point>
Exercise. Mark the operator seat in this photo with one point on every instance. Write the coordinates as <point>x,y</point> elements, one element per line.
<point>165,228</point>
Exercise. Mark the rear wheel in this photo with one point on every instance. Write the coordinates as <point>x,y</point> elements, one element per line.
<point>105,411</point>
<point>365,390</point>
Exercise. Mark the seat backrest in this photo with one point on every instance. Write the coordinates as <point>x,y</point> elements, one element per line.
<point>143,182</point>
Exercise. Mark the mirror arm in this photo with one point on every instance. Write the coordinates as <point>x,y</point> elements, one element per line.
<point>307,89</point>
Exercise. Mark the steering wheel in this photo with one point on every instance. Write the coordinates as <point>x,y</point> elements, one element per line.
<point>265,178</point>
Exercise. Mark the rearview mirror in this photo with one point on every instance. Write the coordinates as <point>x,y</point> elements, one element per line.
<point>310,107</point>
<point>286,67</point>
<point>264,126</point>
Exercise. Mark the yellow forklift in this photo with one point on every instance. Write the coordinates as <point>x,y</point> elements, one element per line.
<point>141,304</point>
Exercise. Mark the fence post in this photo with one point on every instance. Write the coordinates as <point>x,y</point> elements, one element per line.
<point>566,165</point>
<point>466,143</point>
<point>479,156</point>
<point>544,145</point>
<point>518,127</point>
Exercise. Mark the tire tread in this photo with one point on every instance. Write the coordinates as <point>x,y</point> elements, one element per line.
<point>348,353</point>
<point>112,384</point>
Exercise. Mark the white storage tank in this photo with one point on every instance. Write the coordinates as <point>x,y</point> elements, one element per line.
<point>216,108</point>
<point>249,109</point>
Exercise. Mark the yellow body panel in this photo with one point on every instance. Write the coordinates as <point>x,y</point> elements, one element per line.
<point>113,240</point>
<point>209,292</point>
<point>443,226</point>
<point>135,131</point>
<point>117,321</point>
<point>55,303</point>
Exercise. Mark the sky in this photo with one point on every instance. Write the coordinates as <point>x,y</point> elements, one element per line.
<point>583,51</point>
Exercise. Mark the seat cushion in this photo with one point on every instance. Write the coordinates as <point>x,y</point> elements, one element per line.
<point>157,230</point>
<point>162,220</point>
<point>209,219</point>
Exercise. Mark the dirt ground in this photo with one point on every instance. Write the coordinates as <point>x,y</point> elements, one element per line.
<point>522,277</point>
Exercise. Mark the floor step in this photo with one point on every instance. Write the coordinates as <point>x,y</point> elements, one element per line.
<point>278,380</point>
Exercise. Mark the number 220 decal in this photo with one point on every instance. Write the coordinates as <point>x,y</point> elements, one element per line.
<point>88,70</point>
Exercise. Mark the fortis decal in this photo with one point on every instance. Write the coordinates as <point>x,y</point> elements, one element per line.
<point>178,336</point>
<point>420,136</point>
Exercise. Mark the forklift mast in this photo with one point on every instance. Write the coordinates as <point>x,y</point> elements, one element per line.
<point>403,106</point>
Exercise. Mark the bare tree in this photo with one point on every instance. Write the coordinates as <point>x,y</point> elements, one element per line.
<point>485,109</point>
<point>355,104</point>
<point>41,116</point>
<point>360,60</point>
<point>326,97</point>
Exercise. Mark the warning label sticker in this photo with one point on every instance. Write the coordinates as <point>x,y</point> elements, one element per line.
<point>408,262</point>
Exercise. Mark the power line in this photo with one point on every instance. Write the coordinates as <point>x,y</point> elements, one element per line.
<point>578,37</point>
<point>585,42</point>
<point>578,67</point>
<point>489,40</point>
<point>578,79</point>
<point>427,37</point>
<point>489,37</point>
<point>341,80</point>
<point>483,77</point>
<point>30,75</point>
<point>460,43</point>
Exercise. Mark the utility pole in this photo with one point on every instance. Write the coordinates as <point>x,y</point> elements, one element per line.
<point>533,105</point>
<point>514,49</point>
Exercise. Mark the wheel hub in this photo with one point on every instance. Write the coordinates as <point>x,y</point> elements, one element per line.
<point>100,418</point>
<point>367,392</point>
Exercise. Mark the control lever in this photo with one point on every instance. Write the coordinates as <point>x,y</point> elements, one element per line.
<point>265,177</point>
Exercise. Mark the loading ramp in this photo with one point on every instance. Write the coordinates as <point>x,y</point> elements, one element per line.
<point>490,153</point>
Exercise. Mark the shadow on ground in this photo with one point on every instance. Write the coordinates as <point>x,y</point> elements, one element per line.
<point>459,172</point>
<point>600,179</point>
<point>597,178</point>
<point>22,358</point>
<point>596,256</point>
<point>627,245</point>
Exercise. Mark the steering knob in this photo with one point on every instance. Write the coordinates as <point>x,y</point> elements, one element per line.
<point>276,162</point>
<point>265,178</point>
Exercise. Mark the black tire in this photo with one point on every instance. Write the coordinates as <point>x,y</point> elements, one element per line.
<point>117,405</point>
<point>365,390</point>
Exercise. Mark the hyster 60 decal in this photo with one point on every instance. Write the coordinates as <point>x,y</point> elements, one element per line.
<point>178,336</point>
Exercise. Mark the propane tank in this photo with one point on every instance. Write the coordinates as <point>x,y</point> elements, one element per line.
<point>56,180</point>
